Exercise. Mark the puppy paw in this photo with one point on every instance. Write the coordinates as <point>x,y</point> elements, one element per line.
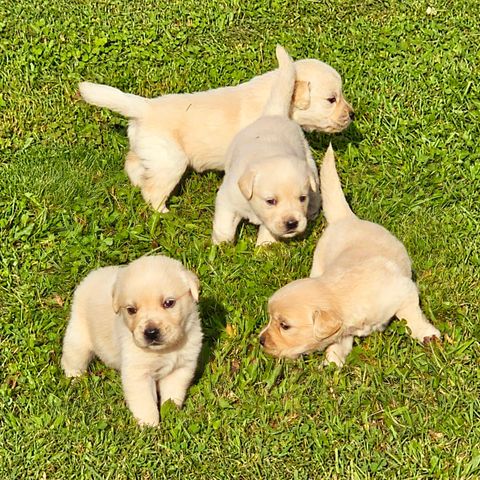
<point>329,359</point>
<point>153,421</point>
<point>431,339</point>
<point>72,373</point>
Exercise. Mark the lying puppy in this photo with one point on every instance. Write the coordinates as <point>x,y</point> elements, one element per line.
<point>141,319</point>
<point>270,174</point>
<point>361,278</point>
<point>169,133</point>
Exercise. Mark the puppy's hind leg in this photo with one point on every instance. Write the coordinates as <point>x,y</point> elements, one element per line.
<point>134,168</point>
<point>77,347</point>
<point>163,164</point>
<point>420,328</point>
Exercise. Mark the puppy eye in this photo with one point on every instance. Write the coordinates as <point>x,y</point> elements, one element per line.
<point>169,303</point>
<point>331,100</point>
<point>302,198</point>
<point>284,326</point>
<point>131,310</point>
<point>271,201</point>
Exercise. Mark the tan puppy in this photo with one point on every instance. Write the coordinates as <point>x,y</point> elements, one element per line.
<point>169,133</point>
<point>141,319</point>
<point>270,174</point>
<point>360,279</point>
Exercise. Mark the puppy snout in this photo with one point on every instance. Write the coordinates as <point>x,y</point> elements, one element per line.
<point>291,224</point>
<point>262,340</point>
<point>152,334</point>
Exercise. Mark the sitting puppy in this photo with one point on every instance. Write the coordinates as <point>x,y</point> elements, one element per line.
<point>361,278</point>
<point>169,133</point>
<point>141,319</point>
<point>270,175</point>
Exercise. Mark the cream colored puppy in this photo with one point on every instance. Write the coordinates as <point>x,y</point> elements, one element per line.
<point>360,279</point>
<point>141,319</point>
<point>270,175</point>
<point>169,133</point>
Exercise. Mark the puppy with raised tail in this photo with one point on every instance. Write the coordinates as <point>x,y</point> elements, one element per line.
<point>361,278</point>
<point>170,133</point>
<point>270,176</point>
<point>142,320</point>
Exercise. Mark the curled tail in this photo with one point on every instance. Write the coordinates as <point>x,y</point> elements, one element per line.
<point>130,106</point>
<point>283,86</point>
<point>335,206</point>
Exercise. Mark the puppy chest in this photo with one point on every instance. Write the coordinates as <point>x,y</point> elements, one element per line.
<point>164,368</point>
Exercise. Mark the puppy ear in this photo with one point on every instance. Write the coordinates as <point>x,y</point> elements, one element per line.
<point>245,184</point>
<point>325,324</point>
<point>301,95</point>
<point>193,284</point>
<point>313,182</point>
<point>116,295</point>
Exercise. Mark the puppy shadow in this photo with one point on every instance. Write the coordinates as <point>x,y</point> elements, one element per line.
<point>319,141</point>
<point>214,320</point>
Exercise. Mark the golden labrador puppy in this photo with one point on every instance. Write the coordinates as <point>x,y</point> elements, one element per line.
<point>169,133</point>
<point>270,175</point>
<point>360,279</point>
<point>142,320</point>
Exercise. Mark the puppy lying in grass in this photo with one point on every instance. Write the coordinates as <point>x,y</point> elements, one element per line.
<point>169,133</point>
<point>270,175</point>
<point>141,319</point>
<point>360,279</point>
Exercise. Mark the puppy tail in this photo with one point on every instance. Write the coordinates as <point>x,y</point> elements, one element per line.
<point>130,106</point>
<point>335,206</point>
<point>283,86</point>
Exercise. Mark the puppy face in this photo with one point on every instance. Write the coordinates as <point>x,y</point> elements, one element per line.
<point>155,297</point>
<point>318,102</point>
<point>302,320</point>
<point>278,193</point>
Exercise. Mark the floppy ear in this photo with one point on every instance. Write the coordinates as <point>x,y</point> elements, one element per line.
<point>325,324</point>
<point>301,95</point>
<point>193,284</point>
<point>245,184</point>
<point>313,182</point>
<point>116,295</point>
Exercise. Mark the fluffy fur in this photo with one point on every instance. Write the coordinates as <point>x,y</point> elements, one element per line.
<point>270,175</point>
<point>169,133</point>
<point>360,279</point>
<point>141,319</point>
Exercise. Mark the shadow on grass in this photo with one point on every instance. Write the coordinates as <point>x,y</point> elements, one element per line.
<point>214,320</point>
<point>340,141</point>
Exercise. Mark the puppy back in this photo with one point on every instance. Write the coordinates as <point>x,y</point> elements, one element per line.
<point>282,88</point>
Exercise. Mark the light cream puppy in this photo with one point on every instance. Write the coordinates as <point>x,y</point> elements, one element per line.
<point>141,319</point>
<point>360,279</point>
<point>270,176</point>
<point>169,133</point>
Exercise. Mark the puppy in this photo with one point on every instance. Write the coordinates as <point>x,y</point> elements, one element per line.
<point>270,175</point>
<point>141,319</point>
<point>169,133</point>
<point>361,278</point>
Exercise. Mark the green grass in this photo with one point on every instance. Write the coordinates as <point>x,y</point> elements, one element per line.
<point>410,162</point>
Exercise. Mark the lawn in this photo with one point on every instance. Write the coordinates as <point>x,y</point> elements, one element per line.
<point>410,161</point>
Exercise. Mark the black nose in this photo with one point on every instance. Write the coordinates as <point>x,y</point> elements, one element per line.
<point>352,115</point>
<point>262,340</point>
<point>291,224</point>
<point>152,334</point>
